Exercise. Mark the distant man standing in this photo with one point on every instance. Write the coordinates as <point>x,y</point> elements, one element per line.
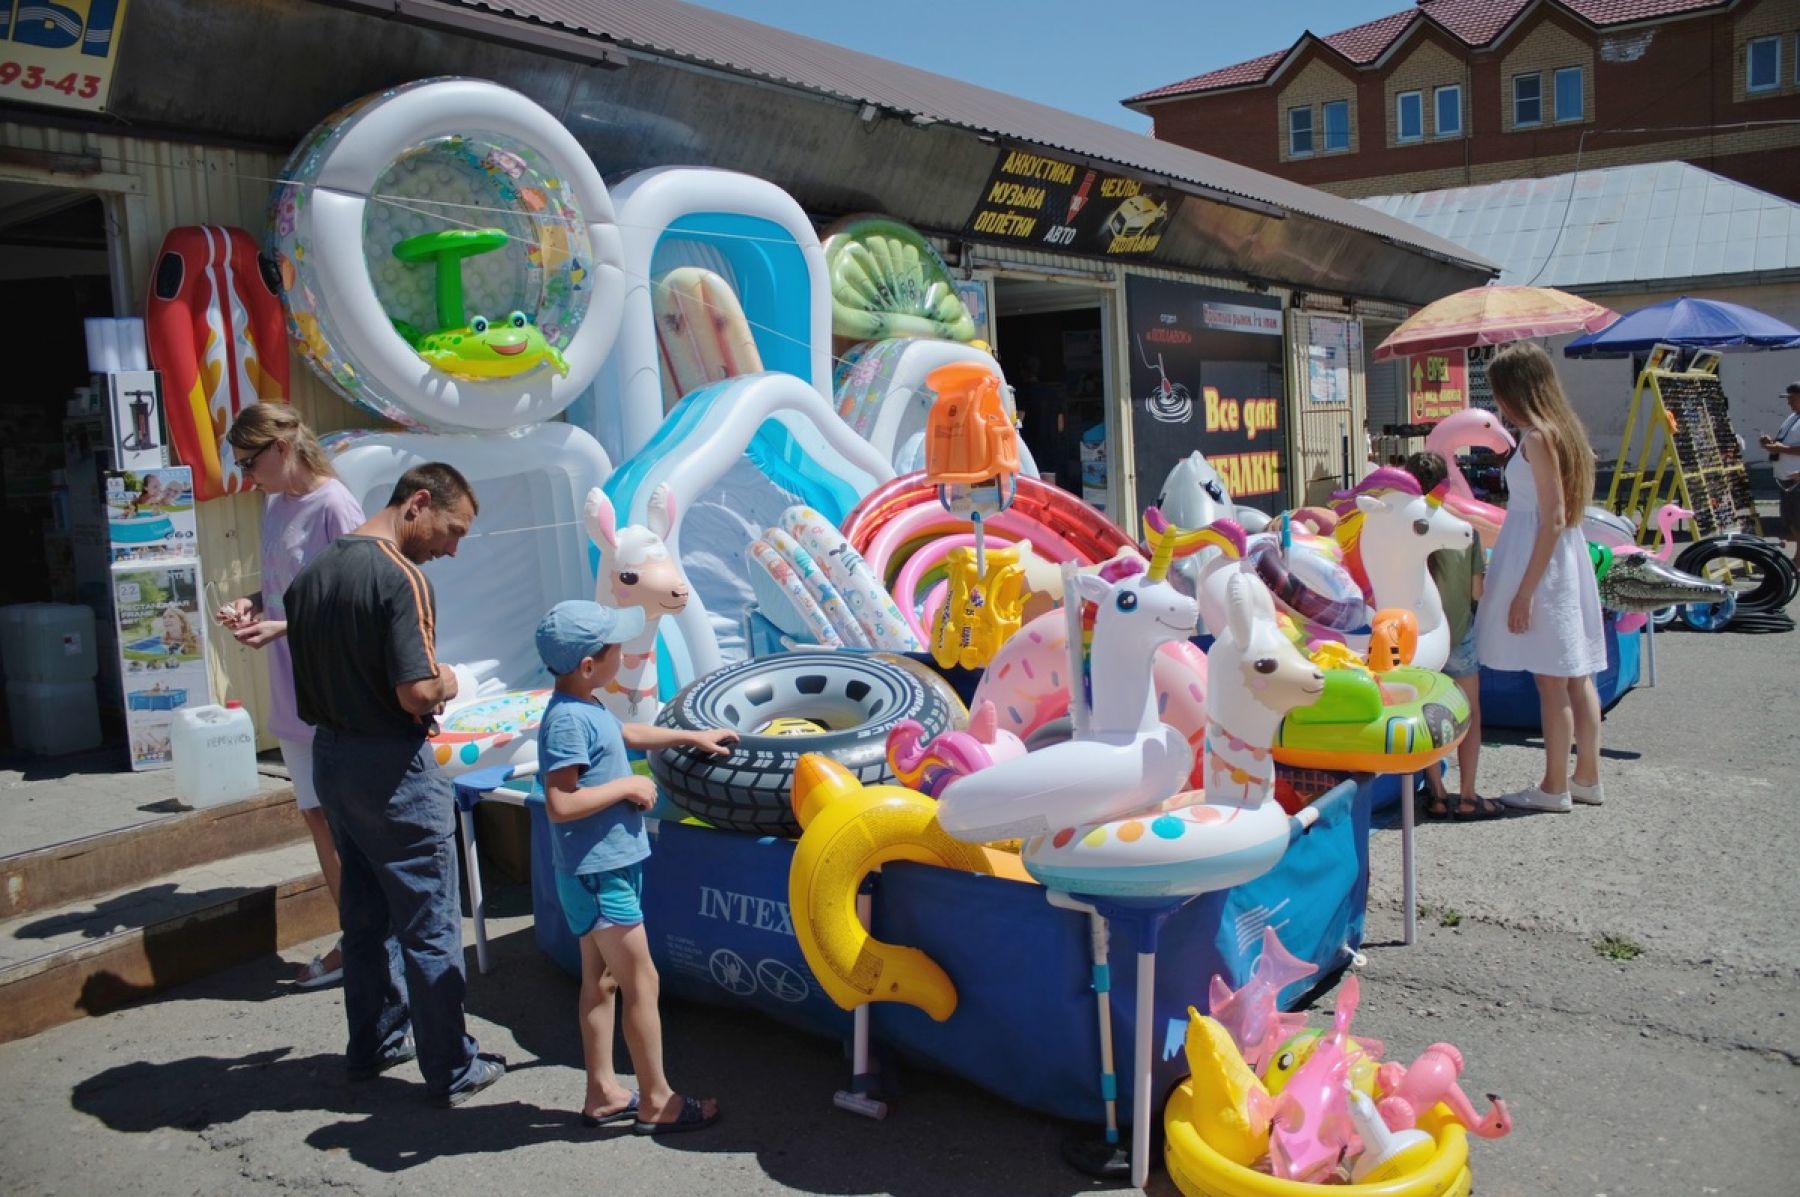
<point>1784,451</point>
<point>362,623</point>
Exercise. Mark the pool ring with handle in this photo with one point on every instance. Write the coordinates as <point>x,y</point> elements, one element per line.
<point>850,830</point>
<point>857,697</point>
<point>1398,721</point>
<point>215,328</point>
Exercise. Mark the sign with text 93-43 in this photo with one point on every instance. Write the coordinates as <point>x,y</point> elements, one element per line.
<point>1047,203</point>
<point>59,53</point>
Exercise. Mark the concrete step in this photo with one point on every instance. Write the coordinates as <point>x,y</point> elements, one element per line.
<point>95,954</point>
<point>47,877</point>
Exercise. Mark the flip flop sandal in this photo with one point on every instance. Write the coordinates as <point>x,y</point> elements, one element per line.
<point>1468,810</point>
<point>625,1113</point>
<point>693,1117</point>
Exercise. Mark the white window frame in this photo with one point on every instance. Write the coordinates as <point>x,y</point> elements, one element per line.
<point>1556,95</point>
<point>1400,99</point>
<point>1437,110</point>
<point>1774,83</point>
<point>1311,138</point>
<point>1538,78</point>
<point>1325,145</point>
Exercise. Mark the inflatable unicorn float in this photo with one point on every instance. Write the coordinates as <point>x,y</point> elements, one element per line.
<point>1108,812</point>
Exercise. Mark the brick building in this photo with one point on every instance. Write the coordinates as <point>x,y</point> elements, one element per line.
<point>1457,92</point>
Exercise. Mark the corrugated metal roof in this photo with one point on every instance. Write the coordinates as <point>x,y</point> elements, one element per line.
<point>1475,23</point>
<point>669,29</point>
<point>1600,228</point>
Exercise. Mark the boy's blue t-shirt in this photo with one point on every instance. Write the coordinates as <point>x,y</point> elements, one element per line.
<point>589,736</point>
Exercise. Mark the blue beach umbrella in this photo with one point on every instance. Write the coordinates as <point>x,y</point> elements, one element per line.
<point>1688,322</point>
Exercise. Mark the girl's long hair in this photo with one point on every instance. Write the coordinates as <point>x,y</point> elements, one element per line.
<point>262,424</point>
<point>1524,382</point>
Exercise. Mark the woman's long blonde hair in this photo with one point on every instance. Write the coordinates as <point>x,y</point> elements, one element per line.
<point>262,424</point>
<point>1524,382</point>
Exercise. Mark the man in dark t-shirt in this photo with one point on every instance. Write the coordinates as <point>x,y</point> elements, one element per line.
<point>362,624</point>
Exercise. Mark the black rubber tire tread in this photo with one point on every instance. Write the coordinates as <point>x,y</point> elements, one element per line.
<point>749,791</point>
<point>1779,582</point>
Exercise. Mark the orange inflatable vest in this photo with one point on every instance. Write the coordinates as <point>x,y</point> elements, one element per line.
<point>969,438</point>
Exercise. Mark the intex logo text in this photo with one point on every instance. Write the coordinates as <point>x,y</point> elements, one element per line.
<point>748,910</point>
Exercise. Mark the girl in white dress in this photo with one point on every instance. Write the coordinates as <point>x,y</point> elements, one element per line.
<point>1543,614</point>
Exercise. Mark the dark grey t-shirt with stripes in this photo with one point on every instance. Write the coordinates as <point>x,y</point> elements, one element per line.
<point>362,621</point>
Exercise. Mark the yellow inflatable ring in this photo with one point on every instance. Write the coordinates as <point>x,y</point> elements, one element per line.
<point>1200,1171</point>
<point>851,830</point>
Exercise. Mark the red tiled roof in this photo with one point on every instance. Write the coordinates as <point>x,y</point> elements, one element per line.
<point>1473,22</point>
<point>1365,43</point>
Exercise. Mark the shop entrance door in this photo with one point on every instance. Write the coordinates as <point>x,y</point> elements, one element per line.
<point>1051,342</point>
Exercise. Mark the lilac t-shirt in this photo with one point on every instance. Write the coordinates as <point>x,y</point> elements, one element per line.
<point>294,529</point>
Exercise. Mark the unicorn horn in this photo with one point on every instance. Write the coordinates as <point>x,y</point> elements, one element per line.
<point>1165,553</point>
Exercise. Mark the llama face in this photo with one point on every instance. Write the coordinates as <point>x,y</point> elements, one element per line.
<point>637,568</point>
<point>1273,672</point>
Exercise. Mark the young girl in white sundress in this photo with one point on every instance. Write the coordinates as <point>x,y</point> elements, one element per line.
<point>1542,613</point>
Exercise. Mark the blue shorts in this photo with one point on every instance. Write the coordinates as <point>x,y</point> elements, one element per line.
<point>1463,661</point>
<point>596,901</point>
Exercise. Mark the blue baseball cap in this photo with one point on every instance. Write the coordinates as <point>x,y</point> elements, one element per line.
<point>578,628</point>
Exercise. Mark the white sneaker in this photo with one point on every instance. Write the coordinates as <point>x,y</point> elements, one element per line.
<point>1592,795</point>
<point>1536,799</point>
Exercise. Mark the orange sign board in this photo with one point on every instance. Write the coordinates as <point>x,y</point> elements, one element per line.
<point>1436,385</point>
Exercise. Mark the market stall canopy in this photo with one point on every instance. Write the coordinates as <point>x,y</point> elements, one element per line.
<point>1493,316</point>
<point>1688,322</point>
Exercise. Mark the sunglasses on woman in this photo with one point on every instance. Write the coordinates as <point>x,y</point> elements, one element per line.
<point>246,464</point>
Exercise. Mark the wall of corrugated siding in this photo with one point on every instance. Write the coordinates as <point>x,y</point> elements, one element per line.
<point>151,187</point>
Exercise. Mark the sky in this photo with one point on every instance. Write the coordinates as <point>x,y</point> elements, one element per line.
<point>1081,56</point>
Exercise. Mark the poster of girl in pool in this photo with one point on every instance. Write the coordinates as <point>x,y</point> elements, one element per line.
<point>162,653</point>
<point>150,514</point>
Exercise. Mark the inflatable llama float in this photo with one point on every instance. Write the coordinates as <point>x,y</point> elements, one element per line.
<point>636,570</point>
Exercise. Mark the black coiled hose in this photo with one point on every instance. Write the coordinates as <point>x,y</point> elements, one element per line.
<point>1760,608</point>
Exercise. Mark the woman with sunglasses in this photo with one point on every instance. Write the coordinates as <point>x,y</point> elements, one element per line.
<point>308,508</point>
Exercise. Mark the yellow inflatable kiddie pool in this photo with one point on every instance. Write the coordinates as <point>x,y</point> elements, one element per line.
<point>1200,1171</point>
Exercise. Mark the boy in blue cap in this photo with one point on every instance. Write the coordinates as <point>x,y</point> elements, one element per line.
<point>596,804</point>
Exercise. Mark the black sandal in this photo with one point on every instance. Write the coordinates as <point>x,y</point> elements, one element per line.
<point>1437,806</point>
<point>1469,809</point>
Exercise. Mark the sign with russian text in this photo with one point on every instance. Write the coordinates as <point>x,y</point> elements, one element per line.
<point>1436,385</point>
<point>1202,379</point>
<point>59,52</point>
<point>1047,203</point>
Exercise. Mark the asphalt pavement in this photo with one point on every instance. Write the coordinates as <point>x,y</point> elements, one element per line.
<point>1627,977</point>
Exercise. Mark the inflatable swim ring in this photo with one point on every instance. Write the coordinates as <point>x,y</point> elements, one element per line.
<point>813,576</point>
<point>1094,537</point>
<point>785,577</point>
<point>857,697</point>
<point>1397,722</point>
<point>850,831</point>
<point>501,730</point>
<point>1199,1169</point>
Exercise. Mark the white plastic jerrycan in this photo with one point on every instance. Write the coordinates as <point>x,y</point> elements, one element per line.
<point>214,753</point>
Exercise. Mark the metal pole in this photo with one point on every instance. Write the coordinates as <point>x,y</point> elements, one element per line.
<point>1408,876</point>
<point>477,901</point>
<point>1140,1058</point>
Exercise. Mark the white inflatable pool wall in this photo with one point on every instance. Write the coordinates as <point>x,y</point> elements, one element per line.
<point>527,550</point>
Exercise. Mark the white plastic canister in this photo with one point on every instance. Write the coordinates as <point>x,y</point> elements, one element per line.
<point>213,749</point>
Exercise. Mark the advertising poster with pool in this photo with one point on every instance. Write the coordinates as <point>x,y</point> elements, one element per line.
<point>162,652</point>
<point>150,514</point>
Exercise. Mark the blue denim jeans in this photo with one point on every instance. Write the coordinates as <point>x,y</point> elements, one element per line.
<point>393,819</point>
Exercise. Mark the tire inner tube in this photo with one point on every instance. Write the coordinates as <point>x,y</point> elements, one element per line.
<point>853,698</point>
